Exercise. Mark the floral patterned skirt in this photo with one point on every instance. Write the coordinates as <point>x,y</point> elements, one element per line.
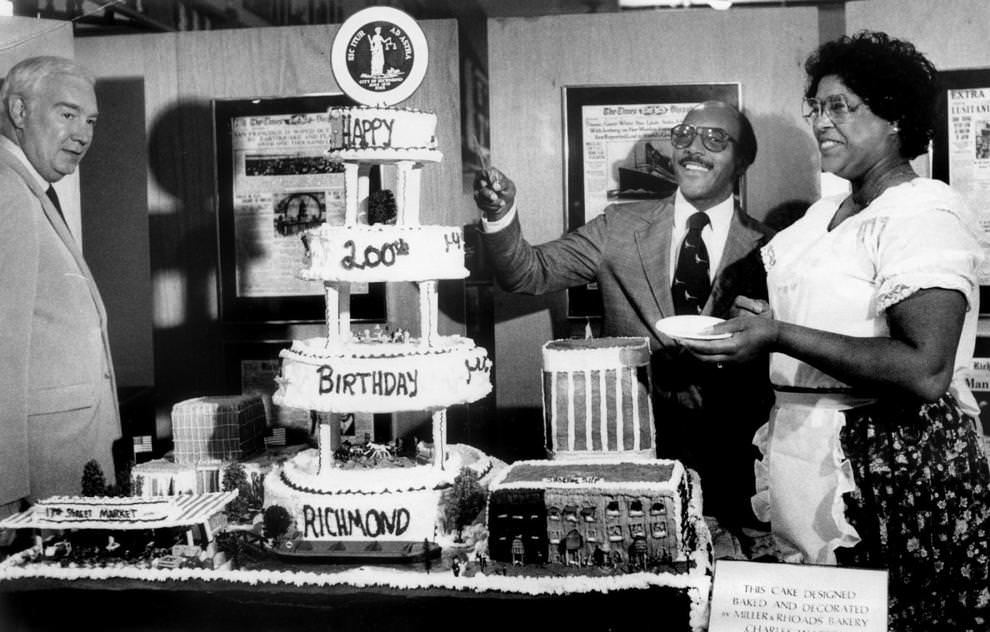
<point>922,509</point>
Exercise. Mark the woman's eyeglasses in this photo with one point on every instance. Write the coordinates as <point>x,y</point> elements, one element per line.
<point>713,138</point>
<point>835,107</point>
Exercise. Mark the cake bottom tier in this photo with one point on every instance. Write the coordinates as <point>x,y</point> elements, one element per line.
<point>386,504</point>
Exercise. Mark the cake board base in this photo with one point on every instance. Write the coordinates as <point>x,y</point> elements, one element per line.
<point>201,606</point>
<point>356,551</point>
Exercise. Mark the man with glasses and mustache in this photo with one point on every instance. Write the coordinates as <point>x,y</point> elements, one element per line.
<point>691,253</point>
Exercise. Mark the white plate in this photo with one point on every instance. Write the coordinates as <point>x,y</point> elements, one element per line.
<point>690,327</point>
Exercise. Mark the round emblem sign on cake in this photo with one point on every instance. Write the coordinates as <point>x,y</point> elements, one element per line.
<point>379,56</point>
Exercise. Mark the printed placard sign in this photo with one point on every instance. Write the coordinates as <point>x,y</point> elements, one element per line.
<point>760,597</point>
<point>379,56</point>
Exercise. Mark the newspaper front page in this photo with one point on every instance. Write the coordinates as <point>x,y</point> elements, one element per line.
<point>283,185</point>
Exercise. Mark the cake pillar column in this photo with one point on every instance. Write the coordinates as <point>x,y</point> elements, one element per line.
<point>407,177</point>
<point>440,439</point>
<point>363,191</point>
<point>428,312</point>
<point>338,312</point>
<point>328,438</point>
<point>352,196</point>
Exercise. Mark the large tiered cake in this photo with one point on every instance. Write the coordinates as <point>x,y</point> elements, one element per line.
<point>344,373</point>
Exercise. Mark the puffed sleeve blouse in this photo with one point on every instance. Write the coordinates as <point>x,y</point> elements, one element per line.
<point>916,235</point>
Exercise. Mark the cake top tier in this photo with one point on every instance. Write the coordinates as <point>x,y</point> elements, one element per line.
<point>370,133</point>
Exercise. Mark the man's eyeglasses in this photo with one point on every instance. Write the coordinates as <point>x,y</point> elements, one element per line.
<point>713,138</point>
<point>835,107</point>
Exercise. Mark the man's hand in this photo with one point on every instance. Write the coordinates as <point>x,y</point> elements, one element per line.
<point>494,193</point>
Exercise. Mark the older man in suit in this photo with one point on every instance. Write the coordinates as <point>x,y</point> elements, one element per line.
<point>691,253</point>
<point>58,402</point>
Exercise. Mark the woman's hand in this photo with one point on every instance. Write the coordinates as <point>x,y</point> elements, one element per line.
<point>752,336</point>
<point>745,305</point>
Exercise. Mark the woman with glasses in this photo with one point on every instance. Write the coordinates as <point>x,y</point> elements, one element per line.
<point>872,457</point>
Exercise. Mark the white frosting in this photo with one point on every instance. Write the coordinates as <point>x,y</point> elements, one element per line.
<point>380,377</point>
<point>400,515</point>
<point>161,477</point>
<point>669,485</point>
<point>158,478</point>
<point>387,155</point>
<point>371,577</point>
<point>398,503</point>
<point>370,134</point>
<point>121,513</point>
<point>382,252</point>
<point>595,354</point>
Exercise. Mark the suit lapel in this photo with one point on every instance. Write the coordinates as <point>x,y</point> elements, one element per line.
<point>740,241</point>
<point>653,244</point>
<point>55,219</point>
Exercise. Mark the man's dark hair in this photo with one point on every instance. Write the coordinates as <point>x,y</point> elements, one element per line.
<point>747,141</point>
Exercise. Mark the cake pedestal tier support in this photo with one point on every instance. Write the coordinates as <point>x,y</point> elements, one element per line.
<point>405,175</point>
<point>329,439</point>
<point>407,178</point>
<point>440,439</point>
<point>338,312</point>
<point>356,185</point>
<point>428,312</point>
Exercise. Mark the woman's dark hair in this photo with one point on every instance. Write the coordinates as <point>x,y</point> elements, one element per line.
<point>897,82</point>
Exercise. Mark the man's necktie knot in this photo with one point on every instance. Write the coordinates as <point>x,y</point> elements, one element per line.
<point>698,221</point>
<point>53,196</point>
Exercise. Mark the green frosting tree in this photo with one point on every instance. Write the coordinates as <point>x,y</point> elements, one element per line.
<point>93,481</point>
<point>381,207</point>
<point>123,486</point>
<point>276,521</point>
<point>465,500</point>
<point>235,478</point>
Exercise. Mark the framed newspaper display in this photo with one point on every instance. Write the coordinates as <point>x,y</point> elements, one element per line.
<point>273,183</point>
<point>961,150</point>
<point>617,150</point>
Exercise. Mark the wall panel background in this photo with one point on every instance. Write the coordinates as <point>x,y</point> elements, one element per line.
<point>532,59</point>
<point>173,162</point>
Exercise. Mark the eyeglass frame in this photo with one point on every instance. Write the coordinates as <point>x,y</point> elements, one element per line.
<point>817,107</point>
<point>706,137</point>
